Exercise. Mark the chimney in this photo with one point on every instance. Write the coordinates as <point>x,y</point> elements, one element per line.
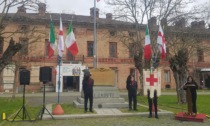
<point>152,22</point>
<point>163,22</point>
<point>41,9</point>
<point>92,12</point>
<point>109,16</point>
<point>198,25</point>
<point>21,10</point>
<point>180,23</point>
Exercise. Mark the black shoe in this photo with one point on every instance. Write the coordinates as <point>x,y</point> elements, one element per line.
<point>91,110</point>
<point>135,109</point>
<point>156,117</point>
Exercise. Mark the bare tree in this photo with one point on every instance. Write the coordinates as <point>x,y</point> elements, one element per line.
<point>24,30</point>
<point>5,19</point>
<point>139,11</point>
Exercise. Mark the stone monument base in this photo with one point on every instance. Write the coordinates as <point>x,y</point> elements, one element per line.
<point>103,97</point>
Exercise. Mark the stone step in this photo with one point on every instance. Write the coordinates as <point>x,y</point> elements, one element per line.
<point>104,88</point>
<point>104,94</point>
<point>102,105</point>
<point>48,88</point>
<point>103,100</point>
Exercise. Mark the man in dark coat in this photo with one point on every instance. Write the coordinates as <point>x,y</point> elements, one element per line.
<point>151,102</point>
<point>87,85</point>
<point>132,86</point>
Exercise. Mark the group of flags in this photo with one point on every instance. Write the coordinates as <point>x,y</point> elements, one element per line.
<point>160,41</point>
<point>70,41</point>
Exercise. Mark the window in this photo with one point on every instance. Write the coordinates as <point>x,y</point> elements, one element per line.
<point>200,55</point>
<point>24,43</point>
<point>167,76</point>
<point>90,49</point>
<point>1,44</point>
<point>46,46</point>
<point>113,49</point>
<point>131,50</point>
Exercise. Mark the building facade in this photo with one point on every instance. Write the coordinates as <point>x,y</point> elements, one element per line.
<point>111,53</point>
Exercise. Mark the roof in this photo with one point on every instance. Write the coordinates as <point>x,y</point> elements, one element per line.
<point>66,18</point>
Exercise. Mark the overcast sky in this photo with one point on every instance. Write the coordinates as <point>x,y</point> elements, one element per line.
<point>79,7</point>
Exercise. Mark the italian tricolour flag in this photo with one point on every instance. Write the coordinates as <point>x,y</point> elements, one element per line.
<point>71,41</point>
<point>52,43</point>
<point>147,48</point>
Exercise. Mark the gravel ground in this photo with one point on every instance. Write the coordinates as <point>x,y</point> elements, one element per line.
<point>114,121</point>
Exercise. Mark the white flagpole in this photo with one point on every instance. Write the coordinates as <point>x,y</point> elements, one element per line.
<point>95,43</point>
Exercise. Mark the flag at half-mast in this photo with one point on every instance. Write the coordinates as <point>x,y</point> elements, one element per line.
<point>161,42</point>
<point>52,43</point>
<point>61,40</point>
<point>147,46</point>
<point>70,41</point>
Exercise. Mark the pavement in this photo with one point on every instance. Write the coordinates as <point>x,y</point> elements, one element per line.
<point>100,112</point>
<point>69,97</point>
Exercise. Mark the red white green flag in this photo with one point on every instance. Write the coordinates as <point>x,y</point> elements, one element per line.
<point>71,41</point>
<point>147,48</point>
<point>161,42</point>
<point>52,43</point>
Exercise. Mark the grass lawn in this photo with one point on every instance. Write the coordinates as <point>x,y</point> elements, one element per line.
<point>11,106</point>
<point>169,103</point>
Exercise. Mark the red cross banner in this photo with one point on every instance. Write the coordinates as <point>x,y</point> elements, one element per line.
<point>152,82</point>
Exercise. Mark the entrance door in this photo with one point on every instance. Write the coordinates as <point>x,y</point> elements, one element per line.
<point>70,83</point>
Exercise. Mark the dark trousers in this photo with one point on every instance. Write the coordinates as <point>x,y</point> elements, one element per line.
<point>90,97</point>
<point>194,109</point>
<point>132,97</point>
<point>152,101</point>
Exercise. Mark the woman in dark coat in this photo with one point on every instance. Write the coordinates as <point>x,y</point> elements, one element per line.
<point>191,87</point>
<point>132,86</point>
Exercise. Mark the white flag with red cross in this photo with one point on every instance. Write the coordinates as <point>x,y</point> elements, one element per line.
<point>152,82</point>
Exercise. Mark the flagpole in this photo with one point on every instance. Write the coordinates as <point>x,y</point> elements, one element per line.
<point>59,74</point>
<point>58,109</point>
<point>151,60</point>
<point>95,44</point>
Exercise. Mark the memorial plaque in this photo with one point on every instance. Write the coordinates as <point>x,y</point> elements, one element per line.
<point>103,77</point>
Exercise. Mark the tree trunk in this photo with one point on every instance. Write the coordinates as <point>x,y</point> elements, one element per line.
<point>15,82</point>
<point>11,50</point>
<point>139,66</point>
<point>180,81</point>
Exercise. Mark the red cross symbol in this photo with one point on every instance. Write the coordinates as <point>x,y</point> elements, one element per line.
<point>151,80</point>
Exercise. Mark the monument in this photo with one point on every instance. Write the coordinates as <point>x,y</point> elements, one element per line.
<point>105,92</point>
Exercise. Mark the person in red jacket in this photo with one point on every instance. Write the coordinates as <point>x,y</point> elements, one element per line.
<point>87,86</point>
<point>132,86</point>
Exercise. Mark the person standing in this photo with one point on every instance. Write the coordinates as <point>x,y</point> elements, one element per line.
<point>191,95</point>
<point>87,84</point>
<point>151,102</point>
<point>132,86</point>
